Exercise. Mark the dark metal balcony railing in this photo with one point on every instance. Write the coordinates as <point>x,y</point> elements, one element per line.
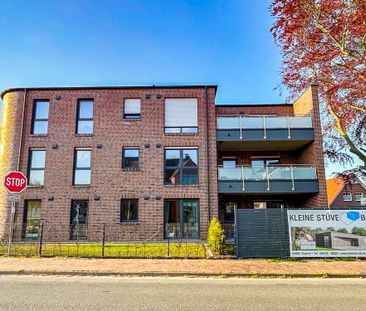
<point>267,173</point>
<point>264,122</point>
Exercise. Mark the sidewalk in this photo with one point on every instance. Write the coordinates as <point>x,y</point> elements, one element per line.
<point>182,267</point>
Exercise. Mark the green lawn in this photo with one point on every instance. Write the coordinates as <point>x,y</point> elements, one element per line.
<point>110,250</point>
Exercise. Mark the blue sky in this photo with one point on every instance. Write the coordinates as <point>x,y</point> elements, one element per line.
<point>129,42</point>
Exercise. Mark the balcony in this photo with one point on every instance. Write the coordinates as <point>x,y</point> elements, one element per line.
<point>243,133</point>
<point>276,179</point>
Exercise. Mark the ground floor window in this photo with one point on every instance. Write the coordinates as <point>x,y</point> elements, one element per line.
<point>129,209</point>
<point>229,211</point>
<point>181,219</point>
<point>268,204</point>
<point>32,219</point>
<point>79,220</point>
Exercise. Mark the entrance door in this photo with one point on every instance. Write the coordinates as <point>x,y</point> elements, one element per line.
<point>79,220</point>
<point>326,241</point>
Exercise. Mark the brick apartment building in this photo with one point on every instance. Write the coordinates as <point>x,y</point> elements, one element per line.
<point>153,162</point>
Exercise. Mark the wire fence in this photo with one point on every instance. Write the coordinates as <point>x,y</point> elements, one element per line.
<point>44,239</point>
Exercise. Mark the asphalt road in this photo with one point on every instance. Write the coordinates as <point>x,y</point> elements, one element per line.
<point>108,293</point>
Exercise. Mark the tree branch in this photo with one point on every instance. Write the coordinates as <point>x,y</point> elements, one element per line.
<point>344,51</point>
<point>343,133</point>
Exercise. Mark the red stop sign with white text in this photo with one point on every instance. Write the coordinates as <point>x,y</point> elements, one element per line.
<point>15,182</point>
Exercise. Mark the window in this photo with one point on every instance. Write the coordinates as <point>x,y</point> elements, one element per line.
<point>260,205</point>
<point>37,159</point>
<point>85,116</point>
<point>358,196</point>
<point>129,209</point>
<point>268,204</point>
<point>181,166</point>
<point>230,211</point>
<point>181,115</point>
<point>229,162</point>
<point>40,117</point>
<point>79,220</point>
<point>130,158</point>
<point>132,108</point>
<point>265,161</point>
<point>82,165</point>
<point>181,219</point>
<point>32,219</point>
<point>347,196</point>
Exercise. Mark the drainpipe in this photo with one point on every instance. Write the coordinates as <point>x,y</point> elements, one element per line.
<point>14,204</point>
<point>207,156</point>
<point>21,131</point>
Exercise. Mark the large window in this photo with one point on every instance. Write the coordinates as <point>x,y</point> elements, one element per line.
<point>181,166</point>
<point>79,220</point>
<point>85,116</point>
<point>37,160</point>
<point>32,219</point>
<point>82,167</point>
<point>130,158</point>
<point>40,117</point>
<point>129,210</point>
<point>181,115</point>
<point>132,108</point>
<point>181,219</point>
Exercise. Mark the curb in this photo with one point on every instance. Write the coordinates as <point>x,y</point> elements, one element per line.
<point>187,274</point>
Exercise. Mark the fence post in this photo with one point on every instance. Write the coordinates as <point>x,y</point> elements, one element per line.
<point>40,240</point>
<point>103,240</point>
<point>168,247</point>
<point>10,241</point>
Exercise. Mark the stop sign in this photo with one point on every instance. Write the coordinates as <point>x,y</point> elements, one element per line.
<point>15,182</point>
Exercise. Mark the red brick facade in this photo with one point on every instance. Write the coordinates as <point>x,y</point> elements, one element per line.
<point>108,180</point>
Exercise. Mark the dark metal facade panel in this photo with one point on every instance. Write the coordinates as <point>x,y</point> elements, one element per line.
<point>275,186</point>
<point>271,134</point>
<point>261,233</point>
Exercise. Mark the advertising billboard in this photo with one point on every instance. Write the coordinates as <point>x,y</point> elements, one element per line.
<point>327,233</point>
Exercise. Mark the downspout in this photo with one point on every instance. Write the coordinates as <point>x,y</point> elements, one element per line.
<point>20,142</point>
<point>207,156</point>
<point>21,131</point>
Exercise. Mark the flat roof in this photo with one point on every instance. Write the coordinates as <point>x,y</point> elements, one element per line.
<point>253,105</point>
<point>115,87</point>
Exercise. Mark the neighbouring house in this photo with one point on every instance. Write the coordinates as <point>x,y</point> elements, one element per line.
<point>338,240</point>
<point>153,162</point>
<point>343,194</point>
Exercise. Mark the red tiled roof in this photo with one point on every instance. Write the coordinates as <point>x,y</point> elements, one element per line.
<point>334,186</point>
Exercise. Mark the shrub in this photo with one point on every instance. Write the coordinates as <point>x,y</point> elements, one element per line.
<point>215,237</point>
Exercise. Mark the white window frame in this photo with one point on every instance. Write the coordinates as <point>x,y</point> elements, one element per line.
<point>181,120</point>
<point>359,196</point>
<point>132,109</point>
<point>347,193</point>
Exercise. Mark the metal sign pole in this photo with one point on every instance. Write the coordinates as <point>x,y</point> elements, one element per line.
<point>11,227</point>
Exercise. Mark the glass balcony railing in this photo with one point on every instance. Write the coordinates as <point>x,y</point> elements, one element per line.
<point>275,172</point>
<point>264,122</point>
